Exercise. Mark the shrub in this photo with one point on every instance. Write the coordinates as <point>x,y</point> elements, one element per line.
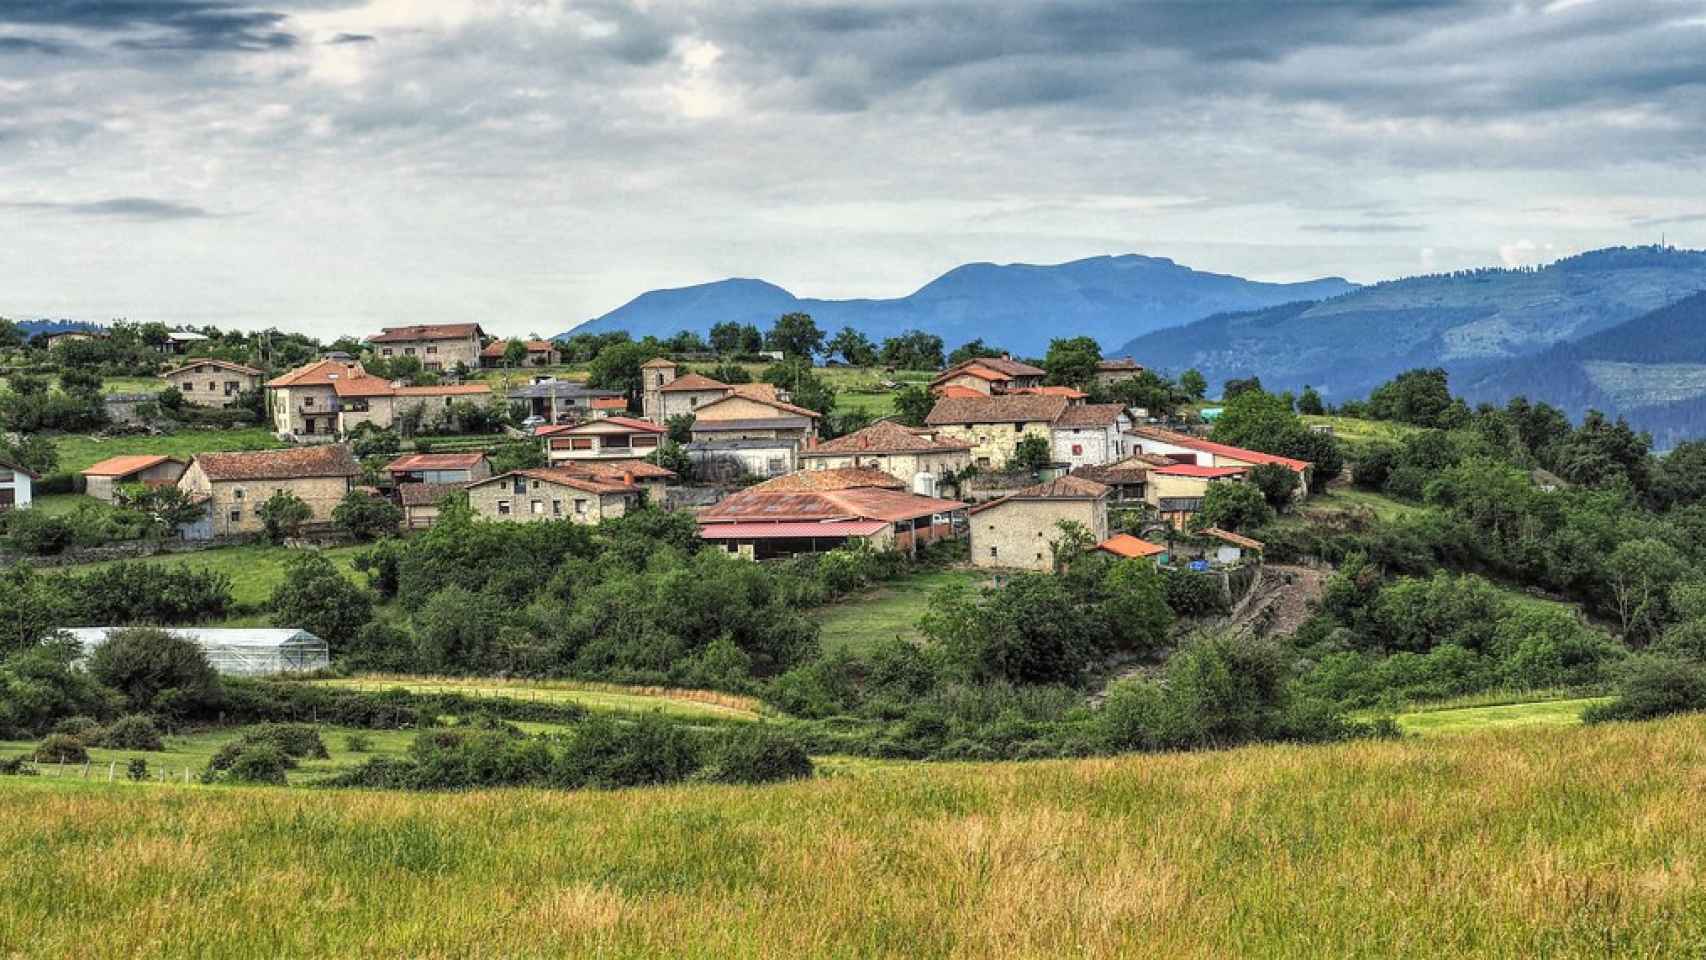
<point>1654,686</point>
<point>136,770</point>
<point>87,730</point>
<point>605,753</point>
<point>1194,594</point>
<point>61,748</point>
<point>294,739</point>
<point>316,597</point>
<point>39,533</point>
<point>145,664</point>
<point>365,516</point>
<point>133,732</point>
<point>757,753</point>
<point>260,764</point>
<point>358,743</point>
<point>16,766</point>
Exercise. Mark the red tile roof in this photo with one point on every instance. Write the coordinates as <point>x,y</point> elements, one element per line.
<point>693,381</point>
<point>445,390</point>
<point>790,531</point>
<point>841,478</point>
<point>774,404</point>
<point>609,403</point>
<point>496,349</point>
<point>638,469</point>
<point>210,362</point>
<point>1003,409</point>
<point>435,461</point>
<point>1000,365</point>
<point>958,392</point>
<point>574,480</point>
<point>1067,392</point>
<point>297,463</point>
<point>657,363</point>
<point>1192,470</point>
<point>983,373</point>
<point>865,503</point>
<point>1091,415</point>
<point>1126,545</point>
<point>1189,442</point>
<point>320,372</point>
<point>884,436</point>
<point>763,392</point>
<point>126,465</point>
<point>434,331</point>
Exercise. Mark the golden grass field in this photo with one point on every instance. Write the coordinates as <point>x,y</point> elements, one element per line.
<point>1563,842</point>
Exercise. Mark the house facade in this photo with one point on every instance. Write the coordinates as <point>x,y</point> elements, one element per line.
<point>1176,491</point>
<point>1185,448</point>
<point>1018,531</point>
<point>993,427</point>
<point>439,468</point>
<point>540,353</point>
<point>918,458</point>
<point>566,401</point>
<point>439,347</point>
<point>988,376</point>
<point>329,398</point>
<point>533,496</point>
<point>104,480</point>
<point>17,486</point>
<point>212,383</point>
<point>608,439</point>
<point>420,502</point>
<point>1113,370</point>
<point>235,485</point>
<point>1092,434</point>
<point>725,461</point>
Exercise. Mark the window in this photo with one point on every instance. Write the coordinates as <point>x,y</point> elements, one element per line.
<point>237,494</point>
<point>556,508</point>
<point>1018,428</point>
<point>211,386</point>
<point>431,351</point>
<point>692,402</point>
<point>619,442</point>
<point>580,443</point>
<point>535,484</point>
<point>6,476</point>
<point>503,508</point>
<point>994,552</point>
<point>385,352</point>
<point>236,516</point>
<point>983,462</point>
<point>646,441</point>
<point>580,506</point>
<point>408,351</point>
<point>307,403</point>
<point>538,507</point>
<point>775,465</point>
<point>520,485</point>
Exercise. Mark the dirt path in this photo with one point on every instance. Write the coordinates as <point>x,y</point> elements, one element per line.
<point>1281,601</point>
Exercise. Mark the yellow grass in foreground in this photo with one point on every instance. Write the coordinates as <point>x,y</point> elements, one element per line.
<point>1556,843</point>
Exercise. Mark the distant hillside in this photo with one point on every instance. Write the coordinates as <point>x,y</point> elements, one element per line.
<point>1469,322</point>
<point>33,328</point>
<point>1016,306</point>
<point>1651,369</point>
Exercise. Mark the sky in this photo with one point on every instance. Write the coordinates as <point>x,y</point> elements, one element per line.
<point>332,166</point>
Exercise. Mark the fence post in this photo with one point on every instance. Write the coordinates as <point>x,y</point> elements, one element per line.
<point>110,768</point>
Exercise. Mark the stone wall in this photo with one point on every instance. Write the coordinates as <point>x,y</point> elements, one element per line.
<point>1017,534</point>
<point>992,444</point>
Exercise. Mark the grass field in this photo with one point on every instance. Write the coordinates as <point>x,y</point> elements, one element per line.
<point>1557,843</point>
<point>1346,497</point>
<point>1473,719</point>
<point>1354,430</point>
<point>255,569</point>
<point>192,752</point>
<point>79,451</point>
<point>688,704</point>
<point>891,610</point>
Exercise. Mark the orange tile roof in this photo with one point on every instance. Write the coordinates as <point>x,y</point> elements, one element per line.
<point>638,469</point>
<point>435,461</point>
<point>1067,487</point>
<point>574,480</point>
<point>124,466</point>
<point>884,436</point>
<point>496,348</point>
<point>320,372</point>
<point>958,392</point>
<point>445,390</point>
<point>865,503</point>
<point>1067,392</point>
<point>762,392</point>
<point>841,478</point>
<point>631,423</point>
<point>1002,367</point>
<point>609,403</point>
<point>657,363</point>
<point>296,463</point>
<point>1003,409</point>
<point>774,404</point>
<point>693,381</point>
<point>1091,415</point>
<point>1126,545</point>
<point>431,331</point>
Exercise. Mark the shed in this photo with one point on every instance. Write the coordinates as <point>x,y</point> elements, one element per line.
<point>236,652</point>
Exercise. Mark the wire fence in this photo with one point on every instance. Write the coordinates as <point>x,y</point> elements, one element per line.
<point>109,772</point>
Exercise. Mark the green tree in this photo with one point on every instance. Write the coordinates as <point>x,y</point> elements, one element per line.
<point>170,399</point>
<point>367,517</point>
<point>154,669</point>
<point>680,428</point>
<point>1072,361</point>
<point>34,452</point>
<point>1234,387</point>
<point>1193,383</point>
<point>1420,397</point>
<point>1276,481</point>
<point>1073,541</point>
<point>167,508</point>
<point>617,367</point>
<point>796,335</point>
<point>515,353</point>
<point>1135,609</point>
<point>283,515</point>
<point>1032,453</point>
<point>972,350</point>
<point>854,347</point>
<point>726,338</point>
<point>913,350</point>
<point>1639,573</point>
<point>1232,506</point>
<point>316,597</point>
<point>1309,403</point>
<point>912,403</point>
<point>805,388</point>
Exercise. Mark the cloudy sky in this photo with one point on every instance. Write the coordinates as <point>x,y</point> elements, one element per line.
<point>332,165</point>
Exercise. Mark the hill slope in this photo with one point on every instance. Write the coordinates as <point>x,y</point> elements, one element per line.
<point>1467,322</point>
<point>1540,842</point>
<point>1016,306</point>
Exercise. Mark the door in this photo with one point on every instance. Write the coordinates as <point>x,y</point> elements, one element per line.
<point>8,498</point>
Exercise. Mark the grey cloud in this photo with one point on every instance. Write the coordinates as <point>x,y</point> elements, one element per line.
<point>1642,223</point>
<point>159,25</point>
<point>32,45</point>
<point>126,208</point>
<point>1360,227</point>
<point>353,38</point>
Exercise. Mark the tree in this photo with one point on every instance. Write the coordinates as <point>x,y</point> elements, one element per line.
<point>1640,571</point>
<point>1233,507</point>
<point>680,427</point>
<point>171,399</point>
<point>1233,388</point>
<point>796,335</point>
<point>1419,397</point>
<point>1074,541</point>
<point>730,373</point>
<point>1032,453</point>
<point>670,456</point>
<point>972,350</point>
<point>155,668</point>
<point>913,350</point>
<point>1136,610</point>
<point>515,353</point>
<point>1072,361</point>
<point>283,515</point>
<point>1309,403</point>
<point>167,508</point>
<point>367,517</point>
<point>805,388</point>
<point>1276,481</point>
<point>33,452</point>
<point>726,338</point>
<point>913,403</point>
<point>617,367</point>
<point>854,347</point>
<point>316,597</point>
<point>1679,477</point>
<point>1193,383</point>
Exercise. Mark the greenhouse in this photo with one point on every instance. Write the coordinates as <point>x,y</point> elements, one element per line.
<point>243,652</point>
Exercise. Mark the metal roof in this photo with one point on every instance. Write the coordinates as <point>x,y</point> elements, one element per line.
<point>257,637</point>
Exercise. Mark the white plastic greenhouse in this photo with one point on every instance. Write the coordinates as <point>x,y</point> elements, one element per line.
<point>245,653</point>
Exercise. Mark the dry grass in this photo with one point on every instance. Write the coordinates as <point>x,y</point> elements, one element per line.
<point>611,696</point>
<point>1573,843</point>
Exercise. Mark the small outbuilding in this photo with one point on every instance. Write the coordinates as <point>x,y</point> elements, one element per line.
<point>103,480</point>
<point>236,652</point>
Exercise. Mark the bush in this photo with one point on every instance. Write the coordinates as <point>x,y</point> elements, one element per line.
<point>1651,686</point>
<point>258,764</point>
<point>294,739</point>
<point>607,754</point>
<point>61,748</point>
<point>87,730</point>
<point>757,753</point>
<point>358,743</point>
<point>39,533</point>
<point>133,732</point>
<point>136,770</point>
<point>146,664</point>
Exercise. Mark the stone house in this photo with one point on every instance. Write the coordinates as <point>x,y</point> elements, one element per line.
<point>532,496</point>
<point>567,401</point>
<point>611,439</point>
<point>104,480</point>
<point>749,413</point>
<point>540,353</point>
<point>420,502</point>
<point>1019,530</point>
<point>994,426</point>
<point>329,398</point>
<point>212,383</point>
<point>235,485</point>
<point>724,461</point>
<point>918,458</point>
<point>988,376</point>
<point>17,486</point>
<point>1092,434</point>
<point>1113,370</point>
<point>439,347</point>
<point>439,468</point>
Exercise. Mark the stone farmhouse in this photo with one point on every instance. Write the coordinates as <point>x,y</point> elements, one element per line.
<point>918,458</point>
<point>1092,434</point>
<point>104,480</point>
<point>212,383</point>
<point>329,398</point>
<point>816,510</point>
<point>235,485</point>
<point>1018,531</point>
<point>540,353</point>
<point>1113,370</point>
<point>439,468</point>
<point>988,376</point>
<point>439,347</point>
<point>567,401</point>
<point>534,495</point>
<point>993,426</point>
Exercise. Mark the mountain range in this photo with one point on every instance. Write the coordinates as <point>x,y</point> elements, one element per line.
<point>1017,306</point>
